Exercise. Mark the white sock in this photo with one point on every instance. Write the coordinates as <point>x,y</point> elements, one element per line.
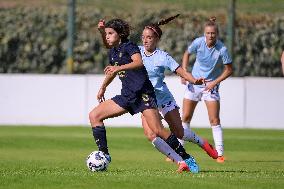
<point>218,139</point>
<point>189,135</point>
<point>181,141</point>
<point>165,149</point>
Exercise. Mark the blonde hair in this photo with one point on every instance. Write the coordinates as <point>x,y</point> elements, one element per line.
<point>211,22</point>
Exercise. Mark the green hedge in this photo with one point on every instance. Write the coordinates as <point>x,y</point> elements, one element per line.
<point>34,40</point>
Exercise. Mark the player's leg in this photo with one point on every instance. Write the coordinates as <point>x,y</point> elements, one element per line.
<point>170,112</point>
<point>188,108</point>
<point>159,143</point>
<point>104,110</point>
<point>213,108</point>
<point>191,97</point>
<point>152,118</point>
<point>173,119</point>
<point>189,104</point>
<point>147,131</point>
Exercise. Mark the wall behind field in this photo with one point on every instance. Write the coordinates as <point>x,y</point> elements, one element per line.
<point>27,99</point>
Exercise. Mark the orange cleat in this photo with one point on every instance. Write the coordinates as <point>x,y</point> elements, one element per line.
<point>210,150</point>
<point>220,159</point>
<point>182,167</point>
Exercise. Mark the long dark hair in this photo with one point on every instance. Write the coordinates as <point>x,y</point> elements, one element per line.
<point>155,26</point>
<point>120,26</point>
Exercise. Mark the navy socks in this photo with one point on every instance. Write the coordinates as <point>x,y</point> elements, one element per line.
<point>99,134</point>
<point>173,142</point>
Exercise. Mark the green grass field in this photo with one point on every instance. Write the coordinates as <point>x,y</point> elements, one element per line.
<point>54,157</point>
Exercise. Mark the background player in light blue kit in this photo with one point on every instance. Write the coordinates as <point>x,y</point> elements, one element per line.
<point>156,62</point>
<point>215,65</point>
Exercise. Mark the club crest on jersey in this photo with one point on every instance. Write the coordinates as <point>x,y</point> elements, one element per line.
<point>145,97</point>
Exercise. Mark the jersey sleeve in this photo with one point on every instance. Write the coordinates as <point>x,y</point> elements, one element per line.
<point>132,49</point>
<point>226,58</point>
<point>192,48</point>
<point>171,64</point>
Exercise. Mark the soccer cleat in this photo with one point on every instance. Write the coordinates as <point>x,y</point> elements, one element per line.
<point>210,150</point>
<point>108,158</point>
<point>182,167</point>
<point>220,159</point>
<point>193,167</point>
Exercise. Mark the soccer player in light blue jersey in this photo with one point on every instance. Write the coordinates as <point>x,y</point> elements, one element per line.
<point>215,65</point>
<point>156,62</point>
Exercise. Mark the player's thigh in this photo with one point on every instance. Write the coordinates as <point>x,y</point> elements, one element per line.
<point>174,120</point>
<point>213,108</point>
<point>188,107</point>
<point>107,109</point>
<point>152,117</point>
<point>155,124</point>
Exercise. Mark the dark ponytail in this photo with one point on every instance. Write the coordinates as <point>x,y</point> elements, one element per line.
<point>155,26</point>
<point>165,21</point>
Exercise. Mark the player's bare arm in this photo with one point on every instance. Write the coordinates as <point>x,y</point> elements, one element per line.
<point>188,77</point>
<point>185,60</point>
<point>101,28</point>
<point>108,79</point>
<point>136,63</point>
<point>228,70</point>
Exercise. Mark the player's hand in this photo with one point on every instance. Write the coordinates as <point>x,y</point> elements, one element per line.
<point>199,81</point>
<point>111,70</point>
<point>210,85</point>
<point>101,26</point>
<point>183,81</point>
<point>101,95</point>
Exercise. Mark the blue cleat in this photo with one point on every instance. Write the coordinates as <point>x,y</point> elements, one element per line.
<point>193,167</point>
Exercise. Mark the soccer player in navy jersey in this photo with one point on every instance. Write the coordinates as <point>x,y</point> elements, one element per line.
<point>213,63</point>
<point>156,62</point>
<point>137,95</point>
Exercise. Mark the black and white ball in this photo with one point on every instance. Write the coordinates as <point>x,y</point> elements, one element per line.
<point>97,161</point>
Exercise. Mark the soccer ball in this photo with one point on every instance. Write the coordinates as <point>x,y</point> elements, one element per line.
<point>97,161</point>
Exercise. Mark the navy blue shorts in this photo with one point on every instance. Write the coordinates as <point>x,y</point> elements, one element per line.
<point>138,104</point>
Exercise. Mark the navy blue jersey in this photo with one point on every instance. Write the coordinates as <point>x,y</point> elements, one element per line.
<point>136,81</point>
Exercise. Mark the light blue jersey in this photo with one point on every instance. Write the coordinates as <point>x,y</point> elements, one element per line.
<point>209,61</point>
<point>156,64</point>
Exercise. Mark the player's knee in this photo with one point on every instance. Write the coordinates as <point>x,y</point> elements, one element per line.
<point>94,117</point>
<point>150,136</point>
<point>154,133</point>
